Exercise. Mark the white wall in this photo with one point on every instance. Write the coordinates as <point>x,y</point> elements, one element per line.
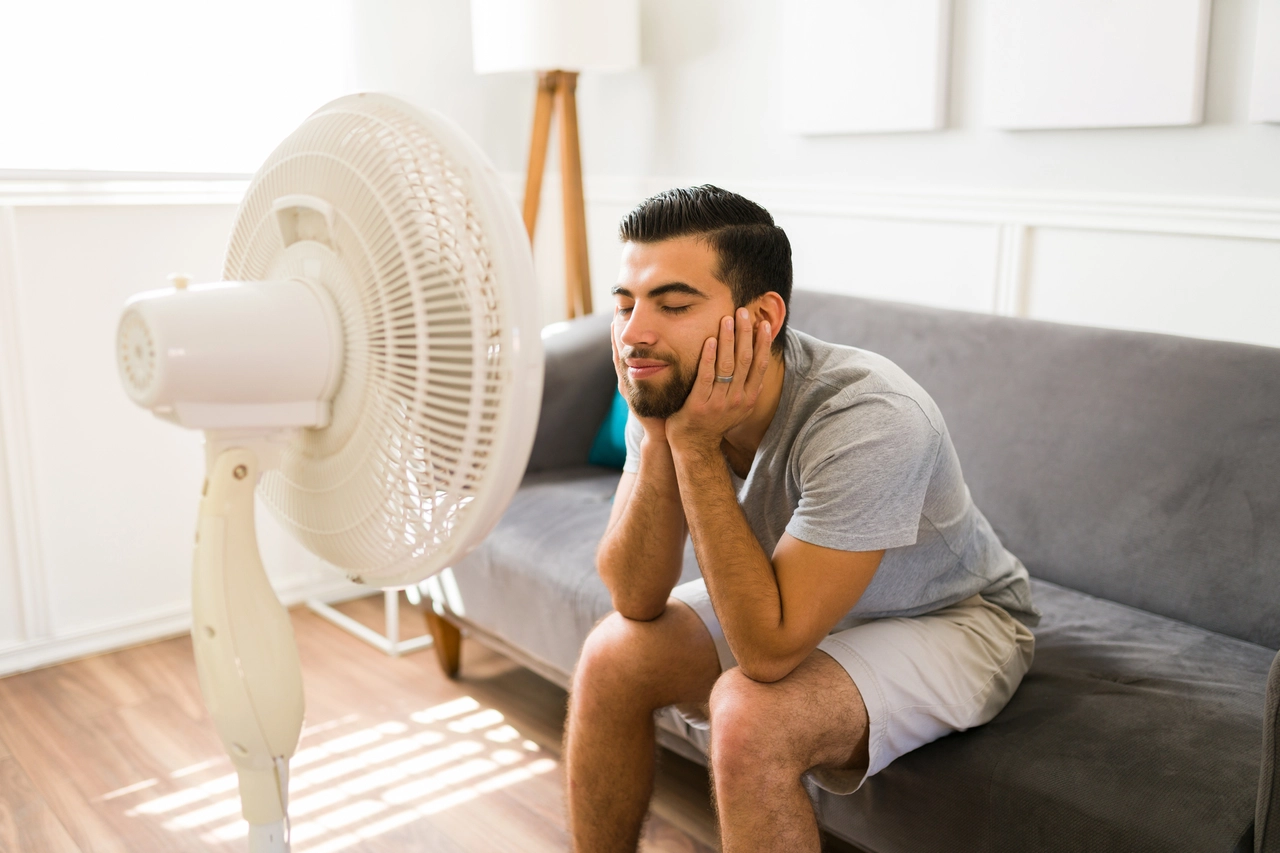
<point>98,498</point>
<point>1172,230</point>
<point>926,217</point>
<point>705,105</point>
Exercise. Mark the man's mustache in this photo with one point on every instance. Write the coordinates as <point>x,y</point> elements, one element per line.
<point>641,352</point>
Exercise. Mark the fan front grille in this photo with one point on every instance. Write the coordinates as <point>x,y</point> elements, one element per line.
<point>426,371</point>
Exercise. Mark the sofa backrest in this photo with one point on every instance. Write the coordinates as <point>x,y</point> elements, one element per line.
<point>1140,468</point>
<point>577,389</point>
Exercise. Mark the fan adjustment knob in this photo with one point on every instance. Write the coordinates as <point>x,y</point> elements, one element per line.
<point>179,280</point>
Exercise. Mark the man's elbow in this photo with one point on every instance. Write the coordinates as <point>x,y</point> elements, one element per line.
<point>639,610</point>
<point>767,668</point>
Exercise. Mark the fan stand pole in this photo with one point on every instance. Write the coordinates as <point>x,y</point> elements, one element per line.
<point>557,93</point>
<point>246,656</point>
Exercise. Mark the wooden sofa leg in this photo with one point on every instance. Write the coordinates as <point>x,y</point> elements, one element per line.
<point>447,639</point>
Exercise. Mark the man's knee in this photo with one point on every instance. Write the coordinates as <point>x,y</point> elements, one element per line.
<point>750,737</point>
<point>618,660</point>
<point>661,662</point>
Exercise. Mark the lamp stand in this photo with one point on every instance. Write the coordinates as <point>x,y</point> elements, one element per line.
<point>556,94</point>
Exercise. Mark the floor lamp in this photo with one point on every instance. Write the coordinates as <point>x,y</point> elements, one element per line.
<point>557,39</point>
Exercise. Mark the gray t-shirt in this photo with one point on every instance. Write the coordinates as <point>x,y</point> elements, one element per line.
<point>858,458</point>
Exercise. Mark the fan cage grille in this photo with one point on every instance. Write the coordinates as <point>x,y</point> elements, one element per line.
<point>382,490</point>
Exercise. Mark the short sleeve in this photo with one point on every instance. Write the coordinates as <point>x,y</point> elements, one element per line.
<point>863,469</point>
<point>634,434</point>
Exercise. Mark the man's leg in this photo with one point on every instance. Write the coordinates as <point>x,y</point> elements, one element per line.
<point>765,737</point>
<point>628,670</point>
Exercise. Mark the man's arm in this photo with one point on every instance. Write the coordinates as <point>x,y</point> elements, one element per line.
<point>642,552</point>
<point>774,612</point>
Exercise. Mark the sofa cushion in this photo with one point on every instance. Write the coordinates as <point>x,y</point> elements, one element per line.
<point>1136,467</point>
<point>609,448</point>
<point>1131,732</point>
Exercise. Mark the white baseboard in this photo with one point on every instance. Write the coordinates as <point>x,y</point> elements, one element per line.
<point>157,624</point>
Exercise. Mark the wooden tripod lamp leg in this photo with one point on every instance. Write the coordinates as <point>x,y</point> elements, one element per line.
<point>538,148</point>
<point>577,272</point>
<point>447,640</point>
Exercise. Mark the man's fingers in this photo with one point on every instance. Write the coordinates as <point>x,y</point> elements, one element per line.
<point>760,363</point>
<point>743,345</point>
<point>724,359</point>
<point>707,367</point>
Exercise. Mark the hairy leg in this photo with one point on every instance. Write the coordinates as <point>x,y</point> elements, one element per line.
<point>765,737</point>
<point>628,670</point>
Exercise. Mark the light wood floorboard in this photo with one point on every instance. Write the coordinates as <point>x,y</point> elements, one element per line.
<point>26,823</point>
<point>116,754</point>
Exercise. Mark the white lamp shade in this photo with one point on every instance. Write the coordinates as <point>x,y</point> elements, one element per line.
<point>545,35</point>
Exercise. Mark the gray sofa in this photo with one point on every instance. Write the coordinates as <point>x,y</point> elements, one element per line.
<point>1138,478</point>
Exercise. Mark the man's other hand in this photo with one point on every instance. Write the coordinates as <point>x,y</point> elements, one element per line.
<point>716,405</point>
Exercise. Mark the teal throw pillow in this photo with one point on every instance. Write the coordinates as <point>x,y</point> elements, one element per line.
<point>610,446</point>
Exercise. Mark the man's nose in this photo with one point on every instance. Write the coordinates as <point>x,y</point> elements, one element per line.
<point>636,329</point>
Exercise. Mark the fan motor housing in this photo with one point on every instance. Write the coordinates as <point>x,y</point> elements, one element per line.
<point>233,354</point>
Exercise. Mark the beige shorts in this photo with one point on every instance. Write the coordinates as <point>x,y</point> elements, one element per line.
<point>921,677</point>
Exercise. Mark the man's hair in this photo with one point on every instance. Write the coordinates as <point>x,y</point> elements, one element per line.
<point>755,254</point>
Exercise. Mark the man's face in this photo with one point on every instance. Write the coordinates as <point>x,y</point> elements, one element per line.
<point>667,302</point>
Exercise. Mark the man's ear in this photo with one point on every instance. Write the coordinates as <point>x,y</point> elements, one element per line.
<point>771,308</point>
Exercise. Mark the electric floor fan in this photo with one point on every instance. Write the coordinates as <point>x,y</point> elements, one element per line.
<point>370,366</point>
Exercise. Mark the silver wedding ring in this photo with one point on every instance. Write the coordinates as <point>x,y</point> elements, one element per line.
<point>720,378</point>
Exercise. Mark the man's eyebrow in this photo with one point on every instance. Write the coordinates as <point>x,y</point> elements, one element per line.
<point>662,290</point>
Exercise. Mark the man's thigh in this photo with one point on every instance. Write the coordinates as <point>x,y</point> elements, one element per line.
<point>870,693</point>
<point>924,677</point>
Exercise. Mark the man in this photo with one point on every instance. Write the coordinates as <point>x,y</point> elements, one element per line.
<point>854,603</point>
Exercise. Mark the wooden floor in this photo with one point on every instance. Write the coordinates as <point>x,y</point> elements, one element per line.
<point>116,754</point>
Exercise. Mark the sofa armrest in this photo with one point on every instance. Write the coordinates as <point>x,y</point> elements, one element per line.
<point>576,392</point>
<point>1266,824</point>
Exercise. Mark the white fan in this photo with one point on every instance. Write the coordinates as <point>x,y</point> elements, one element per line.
<point>371,365</point>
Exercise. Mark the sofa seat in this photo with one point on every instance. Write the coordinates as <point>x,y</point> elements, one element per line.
<point>1123,724</point>
<point>533,581</point>
<point>1131,732</point>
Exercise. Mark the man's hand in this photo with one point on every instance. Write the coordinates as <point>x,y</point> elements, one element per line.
<point>715,406</point>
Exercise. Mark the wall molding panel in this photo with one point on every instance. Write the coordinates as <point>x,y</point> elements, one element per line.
<point>1236,234</point>
<point>45,192</point>
<point>15,445</point>
<point>1013,243</point>
<point>145,626</point>
<point>1244,218</point>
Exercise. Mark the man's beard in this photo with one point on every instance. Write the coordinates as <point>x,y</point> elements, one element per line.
<point>651,400</point>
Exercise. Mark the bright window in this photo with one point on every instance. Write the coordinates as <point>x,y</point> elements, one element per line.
<point>163,85</point>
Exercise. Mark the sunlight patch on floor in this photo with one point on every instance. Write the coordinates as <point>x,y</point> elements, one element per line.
<point>358,783</point>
